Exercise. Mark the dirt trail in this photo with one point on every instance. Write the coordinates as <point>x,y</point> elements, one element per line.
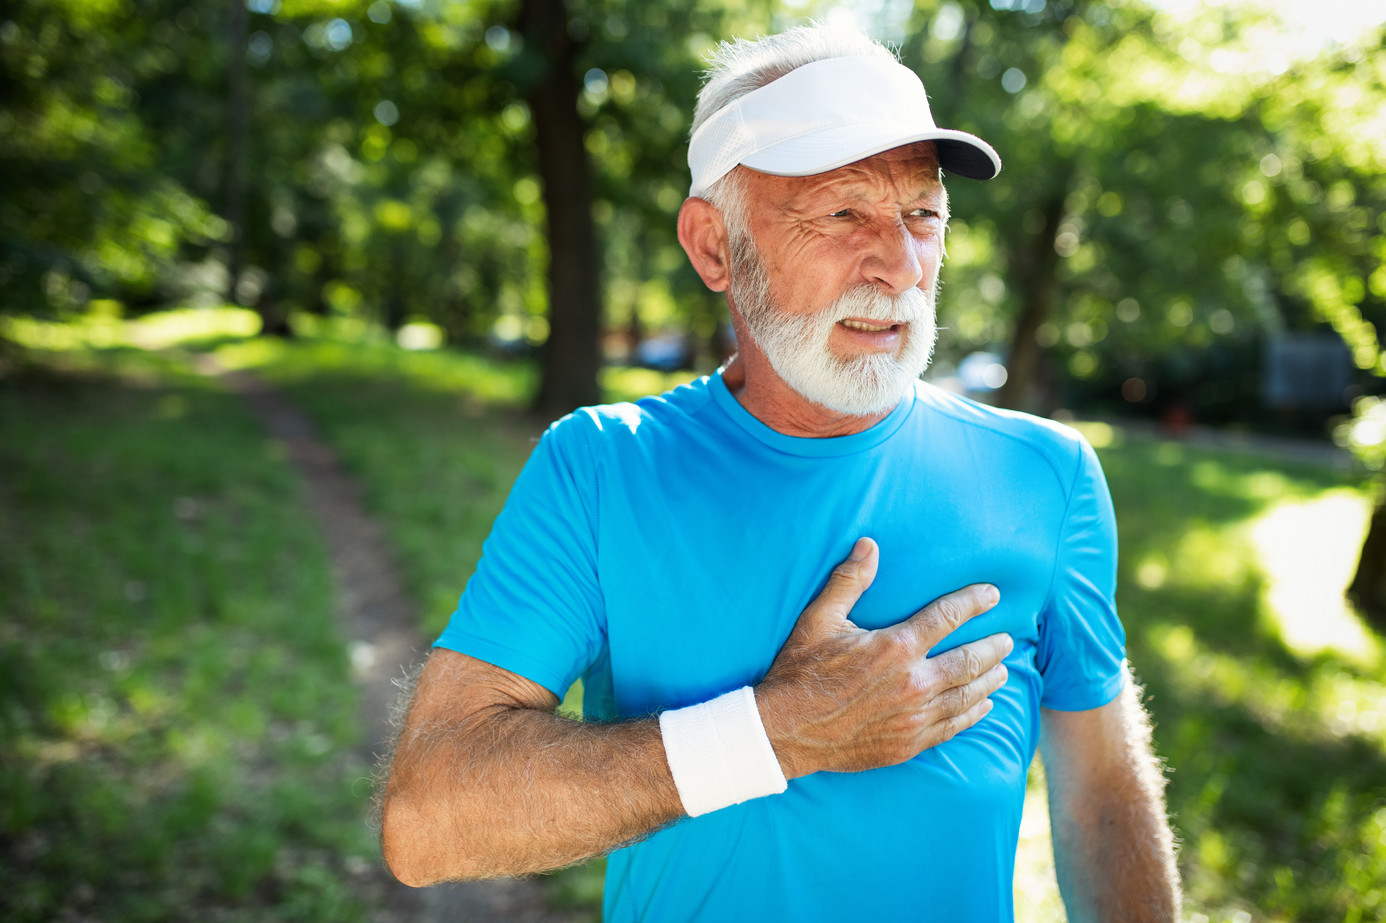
<point>382,628</point>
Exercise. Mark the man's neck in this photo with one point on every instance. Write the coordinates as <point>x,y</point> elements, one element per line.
<point>756,387</point>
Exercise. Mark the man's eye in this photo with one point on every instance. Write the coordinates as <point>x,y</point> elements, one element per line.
<point>844,213</point>
<point>925,213</point>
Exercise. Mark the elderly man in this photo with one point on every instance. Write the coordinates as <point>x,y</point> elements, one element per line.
<point>775,728</point>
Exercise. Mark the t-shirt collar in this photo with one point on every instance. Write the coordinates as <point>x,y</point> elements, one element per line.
<point>803,445</point>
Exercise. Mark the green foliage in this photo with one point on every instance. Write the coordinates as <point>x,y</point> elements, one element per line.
<point>1191,187</point>
<point>1365,433</point>
<point>638,100</point>
<point>1277,748</point>
<point>90,204</point>
<point>1325,188</point>
<point>1177,185</point>
<point>177,720</point>
<point>1324,183</point>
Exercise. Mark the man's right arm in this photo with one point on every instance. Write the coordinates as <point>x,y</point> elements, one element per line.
<point>487,781</point>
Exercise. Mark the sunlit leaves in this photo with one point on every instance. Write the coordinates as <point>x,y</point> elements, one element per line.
<point>310,9</point>
<point>1174,143</point>
<point>1365,433</point>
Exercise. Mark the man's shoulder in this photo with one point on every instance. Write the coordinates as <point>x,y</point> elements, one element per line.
<point>1057,443</point>
<point>606,427</point>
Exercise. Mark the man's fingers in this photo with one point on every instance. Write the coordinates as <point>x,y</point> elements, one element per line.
<point>964,664</point>
<point>954,726</point>
<point>957,699</point>
<point>939,618</point>
<point>957,709</point>
<point>845,585</point>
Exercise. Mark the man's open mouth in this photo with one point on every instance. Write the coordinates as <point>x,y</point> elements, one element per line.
<point>867,326</point>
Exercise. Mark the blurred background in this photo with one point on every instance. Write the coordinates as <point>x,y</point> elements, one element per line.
<point>432,226</point>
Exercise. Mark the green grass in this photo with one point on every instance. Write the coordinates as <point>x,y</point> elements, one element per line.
<point>1268,695</point>
<point>436,438</point>
<point>177,722</point>
<point>1277,735</point>
<point>423,433</point>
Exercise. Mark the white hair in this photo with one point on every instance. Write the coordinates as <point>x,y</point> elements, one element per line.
<point>737,67</point>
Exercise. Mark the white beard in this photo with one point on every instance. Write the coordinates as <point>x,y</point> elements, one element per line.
<point>797,344</point>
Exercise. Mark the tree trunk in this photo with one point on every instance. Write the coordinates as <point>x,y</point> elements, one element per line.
<point>1036,268</point>
<point>635,332</point>
<point>1368,587</point>
<point>571,358</point>
<point>396,307</point>
<point>237,127</point>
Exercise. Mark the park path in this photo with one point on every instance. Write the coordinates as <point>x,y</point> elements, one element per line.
<point>1295,449</point>
<point>381,626</point>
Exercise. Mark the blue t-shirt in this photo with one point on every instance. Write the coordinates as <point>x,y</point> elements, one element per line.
<point>663,550</point>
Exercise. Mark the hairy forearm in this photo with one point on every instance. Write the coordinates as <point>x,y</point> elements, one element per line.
<point>1118,863</point>
<point>1114,851</point>
<point>515,790</point>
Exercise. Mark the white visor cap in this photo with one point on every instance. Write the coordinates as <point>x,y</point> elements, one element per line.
<point>825,115</point>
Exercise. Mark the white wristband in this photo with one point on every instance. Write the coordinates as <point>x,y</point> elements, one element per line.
<point>719,753</point>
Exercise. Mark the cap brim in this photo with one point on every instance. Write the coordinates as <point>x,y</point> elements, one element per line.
<point>821,151</point>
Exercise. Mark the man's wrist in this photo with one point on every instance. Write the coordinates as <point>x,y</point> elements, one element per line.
<point>719,753</point>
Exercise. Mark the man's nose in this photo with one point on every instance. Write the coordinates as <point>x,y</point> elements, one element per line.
<point>894,259</point>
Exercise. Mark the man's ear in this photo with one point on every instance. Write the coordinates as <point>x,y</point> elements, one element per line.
<point>704,238</point>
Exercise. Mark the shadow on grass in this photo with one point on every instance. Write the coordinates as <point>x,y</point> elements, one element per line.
<point>1185,554</point>
<point>1273,818</point>
<point>435,439</point>
<point>1280,804</point>
<point>174,698</point>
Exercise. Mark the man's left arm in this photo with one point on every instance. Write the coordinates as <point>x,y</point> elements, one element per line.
<point>1113,848</point>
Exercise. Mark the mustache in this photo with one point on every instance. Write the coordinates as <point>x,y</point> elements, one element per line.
<point>750,290</point>
<point>868,301</point>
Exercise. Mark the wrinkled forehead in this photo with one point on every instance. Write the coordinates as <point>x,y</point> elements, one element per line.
<point>909,165</point>
<point>902,173</point>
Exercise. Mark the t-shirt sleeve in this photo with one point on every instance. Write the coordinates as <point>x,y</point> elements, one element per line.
<point>1082,645</point>
<point>534,606</point>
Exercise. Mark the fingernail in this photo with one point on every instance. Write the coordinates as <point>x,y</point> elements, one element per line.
<point>860,550</point>
<point>1009,644</point>
<point>992,594</point>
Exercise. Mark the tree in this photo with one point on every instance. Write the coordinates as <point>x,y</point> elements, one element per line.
<point>571,355</point>
<point>1368,586</point>
<point>93,205</point>
<point>1322,196</point>
<point>1068,255</point>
